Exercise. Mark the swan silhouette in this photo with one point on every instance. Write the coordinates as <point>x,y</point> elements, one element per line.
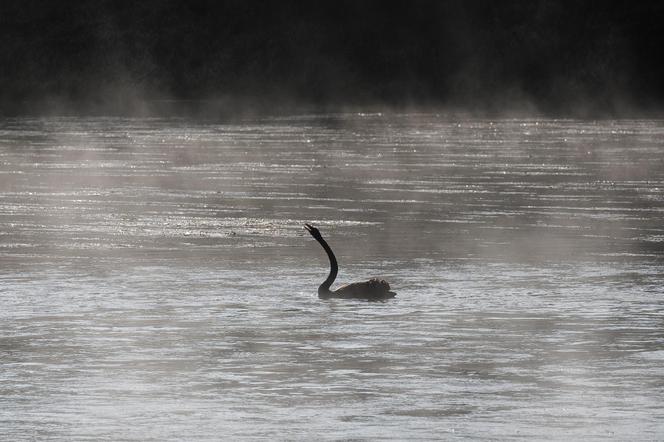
<point>373,289</point>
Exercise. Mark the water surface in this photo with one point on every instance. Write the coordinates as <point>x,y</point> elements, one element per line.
<point>156,282</point>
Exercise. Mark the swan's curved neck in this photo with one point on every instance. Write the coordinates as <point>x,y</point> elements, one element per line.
<point>324,288</point>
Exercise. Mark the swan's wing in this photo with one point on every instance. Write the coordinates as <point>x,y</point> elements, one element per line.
<point>350,289</point>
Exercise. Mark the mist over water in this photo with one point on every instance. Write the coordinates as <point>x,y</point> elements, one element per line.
<point>156,282</point>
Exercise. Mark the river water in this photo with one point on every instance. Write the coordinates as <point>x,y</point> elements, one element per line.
<point>156,282</point>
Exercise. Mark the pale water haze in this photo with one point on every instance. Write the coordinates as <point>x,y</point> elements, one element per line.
<point>156,282</point>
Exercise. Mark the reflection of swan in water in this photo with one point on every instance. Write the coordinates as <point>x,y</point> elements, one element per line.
<point>373,289</point>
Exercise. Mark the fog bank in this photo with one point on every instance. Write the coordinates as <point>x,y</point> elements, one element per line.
<point>564,58</point>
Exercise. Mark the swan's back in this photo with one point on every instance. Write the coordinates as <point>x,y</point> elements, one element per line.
<point>372,289</point>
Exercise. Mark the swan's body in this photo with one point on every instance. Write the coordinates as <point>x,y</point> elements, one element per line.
<point>373,289</point>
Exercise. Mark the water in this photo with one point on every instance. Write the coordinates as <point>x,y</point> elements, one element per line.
<point>156,282</point>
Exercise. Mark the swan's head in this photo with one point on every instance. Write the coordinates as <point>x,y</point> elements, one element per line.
<point>313,231</point>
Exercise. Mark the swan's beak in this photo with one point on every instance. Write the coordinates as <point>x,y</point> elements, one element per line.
<point>312,230</point>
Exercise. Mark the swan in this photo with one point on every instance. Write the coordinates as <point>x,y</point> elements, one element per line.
<point>374,289</point>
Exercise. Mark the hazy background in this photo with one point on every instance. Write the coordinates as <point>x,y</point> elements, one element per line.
<point>155,279</point>
<point>576,58</point>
